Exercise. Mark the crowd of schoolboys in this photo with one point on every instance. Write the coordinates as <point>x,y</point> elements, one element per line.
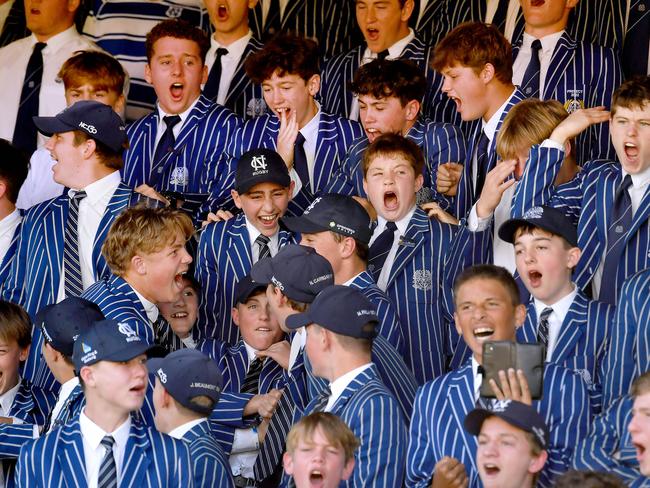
<point>282,269</point>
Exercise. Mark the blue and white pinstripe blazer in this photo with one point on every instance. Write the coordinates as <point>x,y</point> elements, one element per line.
<point>565,408</point>
<point>224,258</point>
<point>151,460</point>
<point>8,258</point>
<point>209,463</point>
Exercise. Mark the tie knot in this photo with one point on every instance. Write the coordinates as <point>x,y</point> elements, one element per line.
<point>262,240</point>
<point>536,45</point>
<point>546,313</point>
<point>39,46</point>
<point>108,442</point>
<point>383,55</point>
<point>480,370</point>
<point>222,51</point>
<point>171,120</point>
<point>391,226</point>
<point>300,139</point>
<point>626,183</point>
<point>78,196</point>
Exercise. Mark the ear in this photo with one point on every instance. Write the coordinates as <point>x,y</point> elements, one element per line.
<point>348,469</point>
<point>537,463</point>
<point>138,265</point>
<point>407,10</point>
<point>3,188</point>
<point>90,146</point>
<point>313,85</point>
<point>570,4</point>
<point>520,315</point>
<point>412,110</point>
<point>23,354</point>
<point>573,257</point>
<point>73,5</point>
<point>456,322</point>
<point>252,4</point>
<point>288,463</point>
<point>236,198</point>
<point>147,74</point>
<point>347,247</point>
<point>419,182</point>
<point>204,75</point>
<point>567,148</point>
<point>292,185</point>
<point>487,73</point>
<point>234,314</point>
<point>88,375</point>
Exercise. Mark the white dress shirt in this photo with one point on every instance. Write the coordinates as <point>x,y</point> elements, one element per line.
<point>150,308</point>
<point>394,52</point>
<point>402,225</point>
<point>181,430</point>
<point>266,5</point>
<point>7,400</point>
<point>560,309</point>
<point>7,230</point>
<point>92,435</point>
<point>545,54</point>
<point>478,379</point>
<point>338,386</point>
<point>229,62</point>
<point>162,126</point>
<point>13,65</point>
<point>310,133</point>
<point>64,393</point>
<point>254,233</point>
<point>298,342</point>
<point>39,185</point>
<point>91,212</point>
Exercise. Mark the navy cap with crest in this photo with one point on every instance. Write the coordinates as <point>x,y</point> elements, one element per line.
<point>246,287</point>
<point>338,213</point>
<point>298,271</point>
<point>96,119</point>
<point>547,218</point>
<point>61,323</point>
<point>260,166</point>
<point>110,340</point>
<point>342,310</point>
<point>186,374</point>
<point>515,413</point>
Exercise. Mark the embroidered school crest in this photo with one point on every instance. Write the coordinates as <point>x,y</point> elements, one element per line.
<point>256,107</point>
<point>179,177</point>
<point>422,279</point>
<point>574,101</point>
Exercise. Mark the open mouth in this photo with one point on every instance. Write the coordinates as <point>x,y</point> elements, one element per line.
<point>640,450</point>
<point>179,315</point>
<point>372,33</point>
<point>316,478</point>
<point>491,469</point>
<point>178,280</point>
<point>268,220</point>
<point>283,110</point>
<point>458,102</point>
<point>138,389</point>
<point>537,3</point>
<point>263,329</point>
<point>222,12</point>
<point>391,202</point>
<point>372,134</point>
<point>535,278</point>
<point>631,150</point>
<point>483,332</point>
<point>176,91</point>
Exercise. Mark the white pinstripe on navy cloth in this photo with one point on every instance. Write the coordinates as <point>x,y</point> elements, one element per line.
<point>107,477</point>
<point>542,326</point>
<point>71,266</point>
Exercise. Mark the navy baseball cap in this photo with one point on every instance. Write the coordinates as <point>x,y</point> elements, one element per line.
<point>61,323</point>
<point>515,413</point>
<point>338,213</point>
<point>246,287</point>
<point>260,166</point>
<point>298,271</point>
<point>547,218</point>
<point>96,119</point>
<point>110,340</point>
<point>341,309</point>
<point>187,373</point>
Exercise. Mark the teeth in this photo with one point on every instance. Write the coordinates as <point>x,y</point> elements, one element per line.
<point>177,85</point>
<point>268,218</point>
<point>629,144</point>
<point>483,331</point>
<point>179,315</point>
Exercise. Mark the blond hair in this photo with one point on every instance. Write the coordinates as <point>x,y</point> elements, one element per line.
<point>333,428</point>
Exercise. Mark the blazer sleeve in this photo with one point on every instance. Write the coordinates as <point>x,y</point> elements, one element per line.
<point>420,460</point>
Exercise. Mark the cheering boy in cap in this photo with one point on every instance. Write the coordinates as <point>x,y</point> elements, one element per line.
<point>103,445</point>
<point>188,384</point>
<point>228,249</point>
<point>512,442</point>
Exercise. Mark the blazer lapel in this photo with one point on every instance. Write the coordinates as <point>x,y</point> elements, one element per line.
<point>561,58</point>
<point>528,332</point>
<point>325,150</point>
<point>409,243</point>
<point>572,329</point>
<point>237,364</point>
<point>70,454</point>
<point>239,79</point>
<point>239,252</point>
<point>137,456</point>
<point>118,202</point>
<point>290,10</point>
<point>461,398</point>
<point>54,227</point>
<point>641,215</point>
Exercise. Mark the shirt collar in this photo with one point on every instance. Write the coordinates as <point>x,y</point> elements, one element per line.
<point>57,41</point>
<point>98,189</point>
<point>402,224</point>
<point>7,398</point>
<point>394,51</point>
<point>490,127</point>
<point>338,386</point>
<point>9,222</point>
<point>310,130</point>
<point>250,352</point>
<point>560,308</point>
<point>182,115</point>
<point>180,431</point>
<point>548,42</point>
<point>235,49</point>
<point>150,308</point>
<point>254,233</point>
<point>351,280</point>
<point>93,433</point>
<point>639,180</point>
<point>68,386</point>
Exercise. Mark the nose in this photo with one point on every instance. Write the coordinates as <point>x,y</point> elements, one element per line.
<point>632,427</point>
<point>446,84</point>
<point>49,145</point>
<point>268,204</point>
<point>631,129</point>
<point>478,312</point>
<point>139,369</point>
<point>187,259</point>
<point>368,116</point>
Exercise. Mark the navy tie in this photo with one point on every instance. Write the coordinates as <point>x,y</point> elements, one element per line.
<point>380,248</point>
<point>211,88</point>
<point>542,326</point>
<point>530,82</point>
<point>482,163</point>
<point>25,131</point>
<point>71,265</point>
<point>300,160</point>
<point>262,242</point>
<point>620,222</point>
<point>637,38</point>
<point>107,470</point>
<point>383,55</point>
<point>252,380</point>
<point>165,146</point>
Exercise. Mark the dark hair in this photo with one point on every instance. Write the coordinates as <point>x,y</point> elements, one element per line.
<point>394,144</point>
<point>475,44</point>
<point>178,29</point>
<point>361,249</point>
<point>383,79</point>
<point>489,272</point>
<point>108,157</point>
<point>287,54</point>
<point>588,479</point>
<point>14,166</point>
<point>15,324</point>
<point>633,93</point>
<point>97,68</point>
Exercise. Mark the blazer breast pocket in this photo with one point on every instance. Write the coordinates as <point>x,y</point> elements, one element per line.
<point>584,366</point>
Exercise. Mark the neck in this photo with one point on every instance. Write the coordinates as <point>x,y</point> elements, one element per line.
<point>345,362</point>
<point>559,295</point>
<point>98,172</point>
<point>407,127</point>
<point>178,420</point>
<point>540,32</point>
<point>227,38</point>
<point>6,207</point>
<point>65,374</point>
<point>498,94</point>
<point>10,384</point>
<point>108,419</point>
<point>138,283</point>
<point>311,112</point>
<point>47,37</point>
<point>349,269</point>
<point>401,34</point>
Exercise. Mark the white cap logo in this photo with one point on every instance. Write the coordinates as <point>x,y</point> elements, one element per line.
<point>258,163</point>
<point>162,375</point>
<point>534,213</point>
<point>90,128</point>
<point>500,406</point>
<point>125,329</point>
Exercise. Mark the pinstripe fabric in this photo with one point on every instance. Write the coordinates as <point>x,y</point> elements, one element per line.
<point>335,136</point>
<point>71,266</point>
<point>432,26</point>
<point>373,415</point>
<point>331,23</point>
<point>608,446</point>
<point>339,71</point>
<point>151,460</point>
<point>628,354</point>
<point>417,288</point>
<point>440,143</point>
<point>224,257</point>
<point>35,274</point>
<point>582,343</point>
<point>565,408</point>
<point>8,259</point>
<point>15,26</point>
<point>209,463</point>
<point>117,301</point>
<point>195,165</point>
<point>583,75</point>
<point>166,337</point>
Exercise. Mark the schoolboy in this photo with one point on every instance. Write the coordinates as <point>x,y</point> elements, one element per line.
<point>86,75</point>
<point>176,325</point>
<point>110,359</point>
<point>320,446</point>
<point>407,252</point>
<point>574,329</point>
<point>177,147</point>
<point>59,246</point>
<point>340,326</point>
<point>476,62</point>
<point>488,309</point>
<point>188,384</point>
<point>512,442</point>
<point>390,96</point>
<point>612,200</point>
<point>228,249</point>
<point>311,141</point>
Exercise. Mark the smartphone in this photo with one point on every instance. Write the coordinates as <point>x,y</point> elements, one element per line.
<point>503,355</point>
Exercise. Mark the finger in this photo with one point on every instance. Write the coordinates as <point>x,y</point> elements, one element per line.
<point>515,388</point>
<point>457,472</point>
<point>505,384</point>
<point>496,390</point>
<point>526,396</point>
<point>507,184</point>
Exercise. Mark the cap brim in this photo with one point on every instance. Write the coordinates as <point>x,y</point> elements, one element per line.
<point>134,350</point>
<point>474,420</point>
<point>298,320</point>
<point>509,227</point>
<point>51,125</point>
<point>249,292</point>
<point>283,180</point>
<point>303,225</point>
<point>262,271</point>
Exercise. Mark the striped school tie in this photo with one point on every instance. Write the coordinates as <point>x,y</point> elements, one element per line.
<point>25,131</point>
<point>380,248</point>
<point>72,268</point>
<point>107,470</point>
